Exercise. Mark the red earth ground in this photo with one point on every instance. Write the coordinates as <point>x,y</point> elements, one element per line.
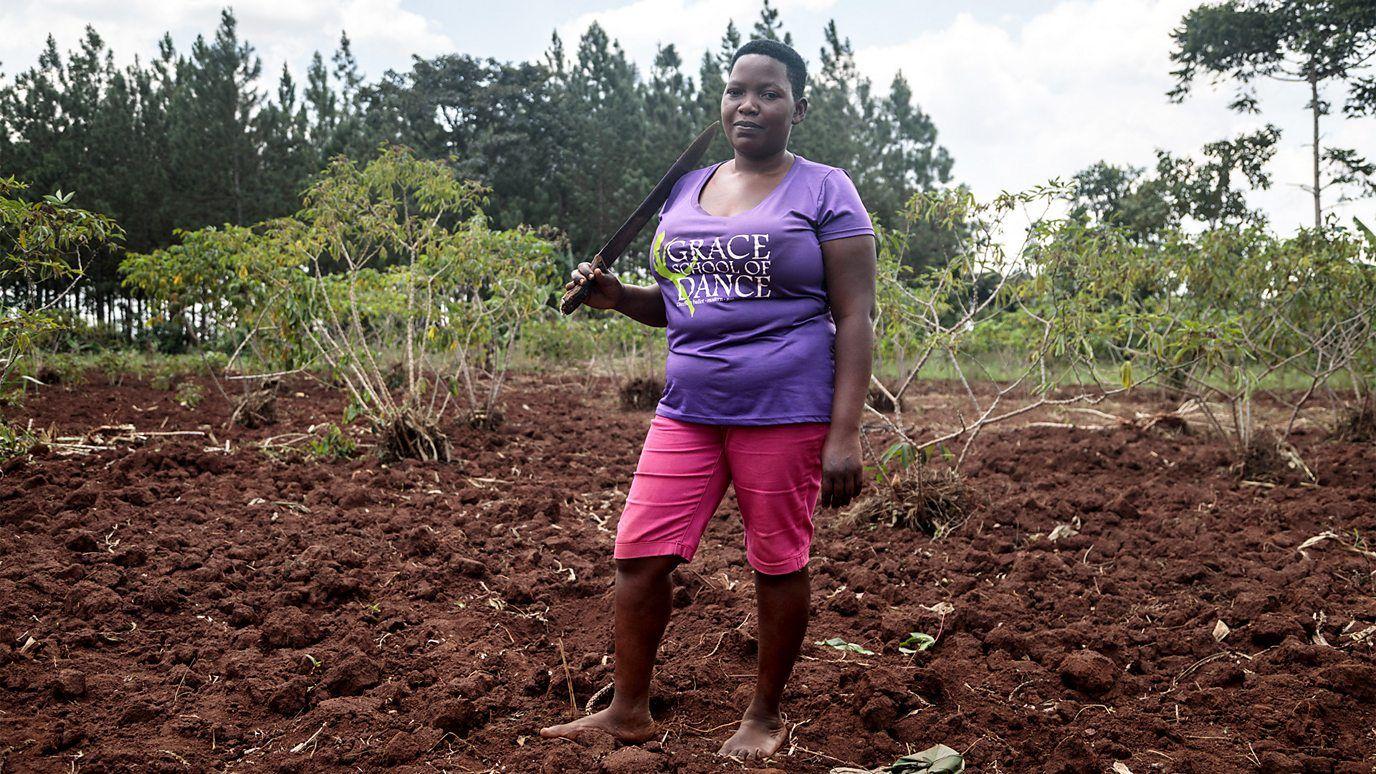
<point>170,608</point>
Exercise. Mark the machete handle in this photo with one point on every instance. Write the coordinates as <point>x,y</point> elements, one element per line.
<point>575,296</point>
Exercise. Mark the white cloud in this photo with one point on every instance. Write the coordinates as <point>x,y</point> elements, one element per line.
<point>382,31</point>
<point>1017,98</point>
<point>1086,80</point>
<point>691,25</point>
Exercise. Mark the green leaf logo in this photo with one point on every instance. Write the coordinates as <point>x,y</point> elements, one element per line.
<point>661,267</point>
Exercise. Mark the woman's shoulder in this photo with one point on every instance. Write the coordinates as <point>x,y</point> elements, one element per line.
<point>833,199</point>
<point>816,170</point>
<point>818,178</point>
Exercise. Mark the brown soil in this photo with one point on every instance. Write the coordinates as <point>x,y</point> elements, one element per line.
<point>641,393</point>
<point>166,607</point>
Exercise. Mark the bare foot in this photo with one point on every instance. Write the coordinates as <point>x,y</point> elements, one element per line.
<point>757,738</point>
<point>629,728</point>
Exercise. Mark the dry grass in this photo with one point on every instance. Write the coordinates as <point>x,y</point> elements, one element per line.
<point>1357,423</point>
<point>410,437</point>
<point>932,500</point>
<point>256,408</point>
<point>1268,459</point>
<point>641,393</point>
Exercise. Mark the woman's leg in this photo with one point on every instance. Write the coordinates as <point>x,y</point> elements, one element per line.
<point>778,473</point>
<point>782,601</point>
<point>678,484</point>
<point>643,602</point>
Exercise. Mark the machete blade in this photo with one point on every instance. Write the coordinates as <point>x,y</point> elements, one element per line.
<point>629,230</point>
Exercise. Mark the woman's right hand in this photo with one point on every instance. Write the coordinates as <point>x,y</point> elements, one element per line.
<point>606,290</point>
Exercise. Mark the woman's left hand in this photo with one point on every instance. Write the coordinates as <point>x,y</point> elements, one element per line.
<point>841,468</point>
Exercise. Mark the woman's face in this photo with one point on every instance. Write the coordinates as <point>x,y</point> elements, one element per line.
<point>757,108</point>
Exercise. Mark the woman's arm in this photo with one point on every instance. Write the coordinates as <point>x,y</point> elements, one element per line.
<point>644,305</point>
<point>850,268</point>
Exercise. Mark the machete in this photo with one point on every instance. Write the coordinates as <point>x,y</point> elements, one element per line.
<point>647,209</point>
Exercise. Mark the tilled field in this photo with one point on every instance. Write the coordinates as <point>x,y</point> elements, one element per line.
<point>170,608</point>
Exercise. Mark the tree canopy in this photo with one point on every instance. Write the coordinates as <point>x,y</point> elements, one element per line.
<point>183,140</point>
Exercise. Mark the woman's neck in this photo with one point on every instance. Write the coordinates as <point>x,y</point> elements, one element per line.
<point>767,166</point>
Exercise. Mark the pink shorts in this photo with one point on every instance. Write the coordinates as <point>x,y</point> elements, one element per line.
<point>682,475</point>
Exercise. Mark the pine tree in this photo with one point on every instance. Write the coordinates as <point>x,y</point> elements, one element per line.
<point>281,130</point>
<point>769,25</point>
<point>348,137</point>
<point>322,106</point>
<point>830,133</point>
<point>669,125</point>
<point>607,119</point>
<point>214,158</point>
<point>712,74</point>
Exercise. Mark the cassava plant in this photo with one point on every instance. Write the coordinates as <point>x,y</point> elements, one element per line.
<point>937,325</point>
<point>1356,419</point>
<point>237,285</point>
<point>1246,310</point>
<point>932,325</point>
<point>606,343</point>
<point>42,244</point>
<point>635,355</point>
<point>401,270</point>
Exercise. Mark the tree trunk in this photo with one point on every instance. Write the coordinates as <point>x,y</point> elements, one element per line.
<point>1314,109</point>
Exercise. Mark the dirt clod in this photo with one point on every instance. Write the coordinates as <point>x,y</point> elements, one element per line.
<point>1355,680</point>
<point>457,716</point>
<point>290,698</point>
<point>70,684</point>
<point>353,675</point>
<point>632,760</point>
<point>1088,672</point>
<point>289,627</point>
<point>406,746</point>
<point>62,737</point>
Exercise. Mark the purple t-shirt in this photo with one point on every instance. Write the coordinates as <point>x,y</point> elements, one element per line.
<point>751,337</point>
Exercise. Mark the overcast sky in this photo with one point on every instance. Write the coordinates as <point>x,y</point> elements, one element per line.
<point>1021,91</point>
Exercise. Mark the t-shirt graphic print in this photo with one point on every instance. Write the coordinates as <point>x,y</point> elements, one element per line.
<point>722,273</point>
<point>750,333</point>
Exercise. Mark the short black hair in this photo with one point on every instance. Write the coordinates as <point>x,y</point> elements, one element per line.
<point>793,63</point>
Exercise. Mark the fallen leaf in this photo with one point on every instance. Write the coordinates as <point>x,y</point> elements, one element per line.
<point>1221,631</point>
<point>942,609</point>
<point>1062,531</point>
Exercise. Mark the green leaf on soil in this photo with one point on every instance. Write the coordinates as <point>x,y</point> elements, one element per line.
<point>933,760</point>
<point>840,644</point>
<point>915,642</point>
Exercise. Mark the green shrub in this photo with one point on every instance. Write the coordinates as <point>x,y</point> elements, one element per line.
<point>41,242</point>
<point>189,394</point>
<point>17,441</point>
<point>333,444</point>
<point>116,365</point>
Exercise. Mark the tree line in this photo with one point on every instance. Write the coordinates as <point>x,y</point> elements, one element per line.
<point>574,140</point>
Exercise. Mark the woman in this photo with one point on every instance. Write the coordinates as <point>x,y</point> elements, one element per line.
<point>766,267</point>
